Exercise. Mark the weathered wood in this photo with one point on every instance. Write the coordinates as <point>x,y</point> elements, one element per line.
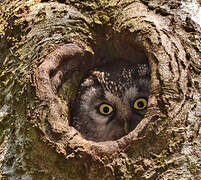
<point>46,46</point>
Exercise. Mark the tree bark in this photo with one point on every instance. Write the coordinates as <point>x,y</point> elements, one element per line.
<point>46,46</point>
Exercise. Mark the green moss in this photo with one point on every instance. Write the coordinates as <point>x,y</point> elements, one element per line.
<point>104,19</point>
<point>192,168</point>
<point>97,20</point>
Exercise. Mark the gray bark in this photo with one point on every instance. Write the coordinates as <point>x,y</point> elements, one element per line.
<point>46,46</point>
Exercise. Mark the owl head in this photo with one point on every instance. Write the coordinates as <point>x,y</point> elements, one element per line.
<point>111,101</point>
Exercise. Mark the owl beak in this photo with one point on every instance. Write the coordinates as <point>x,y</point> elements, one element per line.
<point>126,127</point>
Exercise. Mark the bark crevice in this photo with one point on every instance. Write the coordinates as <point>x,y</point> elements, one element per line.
<point>46,46</point>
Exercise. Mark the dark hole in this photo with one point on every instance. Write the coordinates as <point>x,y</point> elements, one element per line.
<point>117,68</point>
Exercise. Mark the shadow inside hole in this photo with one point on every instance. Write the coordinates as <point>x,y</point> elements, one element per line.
<point>111,99</point>
<point>107,93</point>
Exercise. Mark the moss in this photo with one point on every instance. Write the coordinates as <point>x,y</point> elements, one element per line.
<point>94,28</point>
<point>104,19</point>
<point>192,167</point>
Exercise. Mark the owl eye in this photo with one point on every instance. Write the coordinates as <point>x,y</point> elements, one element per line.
<point>105,109</point>
<point>140,104</point>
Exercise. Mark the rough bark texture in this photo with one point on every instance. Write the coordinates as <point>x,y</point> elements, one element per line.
<point>46,46</point>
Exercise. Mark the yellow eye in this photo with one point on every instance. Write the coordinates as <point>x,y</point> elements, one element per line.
<point>105,109</point>
<point>140,104</point>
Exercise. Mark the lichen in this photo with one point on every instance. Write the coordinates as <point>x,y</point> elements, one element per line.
<point>30,30</point>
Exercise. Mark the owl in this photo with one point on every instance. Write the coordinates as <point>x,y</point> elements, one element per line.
<point>111,100</point>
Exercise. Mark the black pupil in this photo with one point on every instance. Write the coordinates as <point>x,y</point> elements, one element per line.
<point>140,104</point>
<point>106,109</point>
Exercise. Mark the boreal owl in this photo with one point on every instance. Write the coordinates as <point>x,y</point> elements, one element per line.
<point>112,99</point>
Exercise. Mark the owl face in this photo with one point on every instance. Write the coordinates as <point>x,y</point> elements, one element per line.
<point>111,101</point>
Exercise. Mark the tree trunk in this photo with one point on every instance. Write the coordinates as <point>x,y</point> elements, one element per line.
<point>46,46</point>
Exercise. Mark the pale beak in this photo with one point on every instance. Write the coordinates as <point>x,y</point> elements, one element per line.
<point>126,126</point>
